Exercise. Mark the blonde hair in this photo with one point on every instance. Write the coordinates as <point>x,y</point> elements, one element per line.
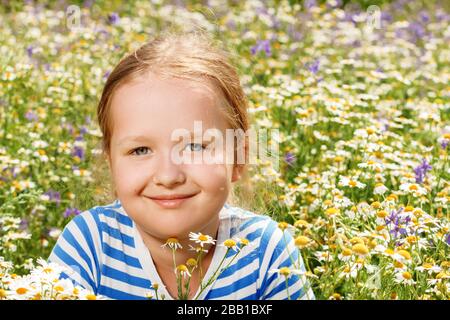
<point>193,56</point>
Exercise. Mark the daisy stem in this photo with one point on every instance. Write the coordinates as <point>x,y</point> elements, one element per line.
<point>287,288</point>
<point>199,263</point>
<point>287,248</point>
<point>210,280</point>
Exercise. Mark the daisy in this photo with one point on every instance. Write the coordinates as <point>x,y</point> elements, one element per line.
<point>351,183</point>
<point>404,277</point>
<point>285,271</point>
<point>63,289</point>
<point>302,242</point>
<point>380,188</point>
<point>413,188</point>
<point>346,255</point>
<point>198,249</point>
<point>402,256</point>
<point>183,271</point>
<point>21,289</point>
<point>47,272</point>
<point>201,238</point>
<point>172,243</point>
<point>349,272</point>
<point>231,244</point>
<point>429,268</point>
<point>360,249</point>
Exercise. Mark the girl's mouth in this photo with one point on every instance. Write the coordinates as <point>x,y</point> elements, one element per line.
<point>171,201</point>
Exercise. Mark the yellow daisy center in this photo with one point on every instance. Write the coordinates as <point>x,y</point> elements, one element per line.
<point>360,248</point>
<point>302,241</point>
<point>229,243</point>
<point>407,275</point>
<point>21,290</point>
<point>285,271</point>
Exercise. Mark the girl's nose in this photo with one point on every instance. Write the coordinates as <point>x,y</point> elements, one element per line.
<point>168,173</point>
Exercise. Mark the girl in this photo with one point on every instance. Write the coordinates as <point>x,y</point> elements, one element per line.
<point>165,89</point>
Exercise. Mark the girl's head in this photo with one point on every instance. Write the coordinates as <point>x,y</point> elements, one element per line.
<point>159,90</point>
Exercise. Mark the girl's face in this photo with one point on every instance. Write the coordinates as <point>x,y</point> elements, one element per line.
<point>145,113</point>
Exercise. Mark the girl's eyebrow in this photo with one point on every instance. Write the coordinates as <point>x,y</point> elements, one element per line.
<point>141,138</point>
<point>132,139</point>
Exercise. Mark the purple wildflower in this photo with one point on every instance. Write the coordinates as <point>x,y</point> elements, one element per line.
<point>421,170</point>
<point>417,30</point>
<point>23,225</point>
<point>83,131</point>
<point>31,116</point>
<point>447,239</point>
<point>30,51</point>
<point>54,196</point>
<point>424,17</point>
<point>314,67</point>
<point>71,211</point>
<point>78,152</point>
<point>396,221</point>
<point>260,46</point>
<point>289,158</point>
<point>87,3</point>
<point>310,3</point>
<point>444,144</point>
<point>106,75</point>
<point>113,18</point>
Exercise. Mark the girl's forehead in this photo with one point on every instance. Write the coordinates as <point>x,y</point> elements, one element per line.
<point>164,106</point>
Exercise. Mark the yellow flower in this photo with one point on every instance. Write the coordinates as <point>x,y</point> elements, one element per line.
<point>191,262</point>
<point>346,252</point>
<point>21,291</point>
<point>332,212</point>
<point>382,214</point>
<point>356,240</point>
<point>407,275</point>
<point>301,224</point>
<point>336,296</point>
<point>183,270</point>
<point>230,244</point>
<point>283,225</point>
<point>284,271</point>
<point>173,244</point>
<point>244,242</point>
<point>91,297</point>
<point>2,294</point>
<point>360,249</point>
<point>376,204</point>
<point>405,254</point>
<point>302,241</point>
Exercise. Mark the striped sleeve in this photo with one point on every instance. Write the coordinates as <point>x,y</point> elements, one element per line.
<point>278,250</point>
<point>78,249</point>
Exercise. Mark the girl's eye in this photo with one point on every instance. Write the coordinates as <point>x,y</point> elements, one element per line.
<point>139,149</point>
<point>197,146</point>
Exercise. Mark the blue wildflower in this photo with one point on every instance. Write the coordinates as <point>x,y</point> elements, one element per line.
<point>260,46</point>
<point>421,170</point>
<point>71,211</point>
<point>289,158</point>
<point>113,18</point>
<point>314,67</point>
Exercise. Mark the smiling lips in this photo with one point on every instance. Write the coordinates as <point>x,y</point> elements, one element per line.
<point>171,201</point>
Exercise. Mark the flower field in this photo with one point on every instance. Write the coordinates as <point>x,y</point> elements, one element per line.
<point>360,94</point>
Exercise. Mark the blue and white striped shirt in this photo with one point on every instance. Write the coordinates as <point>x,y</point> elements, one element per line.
<point>105,254</point>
